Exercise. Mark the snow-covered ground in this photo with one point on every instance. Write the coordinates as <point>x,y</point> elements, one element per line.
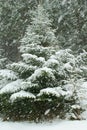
<point>56,125</point>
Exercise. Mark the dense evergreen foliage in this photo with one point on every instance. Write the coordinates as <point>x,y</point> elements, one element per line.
<point>43,59</point>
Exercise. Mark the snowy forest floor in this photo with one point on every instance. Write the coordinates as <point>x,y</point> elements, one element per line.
<point>55,125</point>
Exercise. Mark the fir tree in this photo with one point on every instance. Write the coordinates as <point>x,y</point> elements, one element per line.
<point>43,84</point>
<point>37,45</point>
<point>69,17</point>
<point>14,17</point>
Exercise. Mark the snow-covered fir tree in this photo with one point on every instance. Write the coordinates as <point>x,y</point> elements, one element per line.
<point>44,84</point>
<point>37,45</point>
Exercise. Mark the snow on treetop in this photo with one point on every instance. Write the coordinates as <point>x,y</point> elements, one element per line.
<point>30,37</point>
<point>63,53</point>
<point>21,67</point>
<point>40,16</point>
<point>57,91</point>
<point>66,52</point>
<point>53,57</point>
<point>3,82</point>
<point>11,87</point>
<point>41,59</point>
<point>68,67</point>
<point>39,72</point>
<point>28,56</point>
<point>76,106</point>
<point>25,85</point>
<point>8,74</point>
<point>64,56</point>
<point>69,87</point>
<point>21,94</point>
<point>51,62</point>
<point>35,49</point>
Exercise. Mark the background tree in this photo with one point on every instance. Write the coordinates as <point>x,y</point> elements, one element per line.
<point>69,18</point>
<point>14,17</point>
